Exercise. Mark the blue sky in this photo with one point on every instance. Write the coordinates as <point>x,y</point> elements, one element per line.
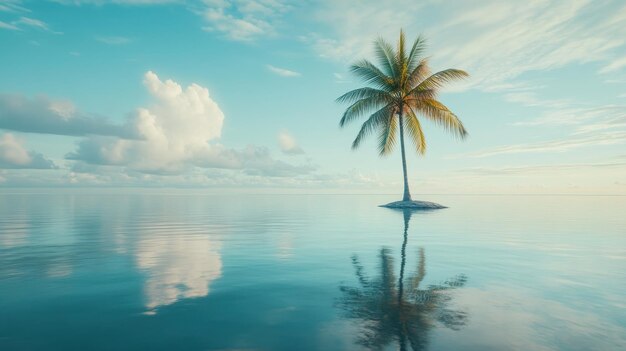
<point>239,95</point>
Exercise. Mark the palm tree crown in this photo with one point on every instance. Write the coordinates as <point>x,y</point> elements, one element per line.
<point>401,88</point>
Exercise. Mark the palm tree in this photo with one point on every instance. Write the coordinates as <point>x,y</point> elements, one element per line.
<point>402,87</point>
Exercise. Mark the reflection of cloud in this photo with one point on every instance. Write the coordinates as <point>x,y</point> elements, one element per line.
<point>14,232</point>
<point>507,319</point>
<point>285,246</point>
<point>59,269</point>
<point>178,267</point>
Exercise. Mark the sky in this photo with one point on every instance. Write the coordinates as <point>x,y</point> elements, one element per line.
<point>239,95</point>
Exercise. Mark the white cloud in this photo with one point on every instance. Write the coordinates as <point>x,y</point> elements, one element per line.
<point>288,143</point>
<point>176,129</point>
<point>283,72</point>
<point>114,40</point>
<point>46,116</point>
<point>14,155</point>
<point>177,133</point>
<point>11,151</point>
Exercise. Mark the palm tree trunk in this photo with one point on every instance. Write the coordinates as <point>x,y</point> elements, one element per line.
<point>407,193</point>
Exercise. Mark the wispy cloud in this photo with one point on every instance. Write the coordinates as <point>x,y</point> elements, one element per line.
<point>349,30</point>
<point>530,98</point>
<point>495,41</point>
<point>33,23</point>
<point>22,23</point>
<point>283,72</point>
<point>582,119</point>
<point>596,139</point>
<point>243,20</point>
<point>581,126</point>
<point>614,65</point>
<point>519,170</point>
<point>340,78</point>
<point>117,2</point>
<point>4,25</point>
<point>12,6</point>
<point>239,20</point>
<point>113,40</point>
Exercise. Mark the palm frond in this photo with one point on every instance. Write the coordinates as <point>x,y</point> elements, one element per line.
<point>388,278</point>
<point>401,58</point>
<point>377,119</point>
<point>363,279</point>
<point>362,106</point>
<point>416,133</point>
<point>387,138</point>
<point>386,57</point>
<point>440,114</point>
<point>420,273</point>
<point>371,74</point>
<point>361,93</point>
<point>419,45</point>
<point>439,79</point>
<point>415,96</point>
<point>453,283</point>
<point>419,73</point>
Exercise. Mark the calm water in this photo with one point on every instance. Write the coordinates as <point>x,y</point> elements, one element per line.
<point>206,272</point>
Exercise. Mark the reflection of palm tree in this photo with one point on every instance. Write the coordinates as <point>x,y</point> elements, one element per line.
<point>399,309</point>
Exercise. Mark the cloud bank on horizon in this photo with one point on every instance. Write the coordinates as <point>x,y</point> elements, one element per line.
<point>545,106</point>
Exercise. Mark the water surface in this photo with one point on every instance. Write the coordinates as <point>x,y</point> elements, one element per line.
<point>140,270</point>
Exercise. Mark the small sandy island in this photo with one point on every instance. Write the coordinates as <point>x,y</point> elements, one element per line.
<point>417,205</point>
